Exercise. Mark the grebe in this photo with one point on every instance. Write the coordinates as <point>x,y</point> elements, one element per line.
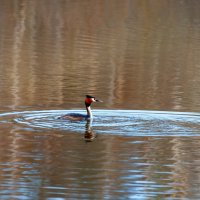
<point>78,117</point>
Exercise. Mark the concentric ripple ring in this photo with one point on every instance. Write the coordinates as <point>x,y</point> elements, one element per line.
<point>115,122</point>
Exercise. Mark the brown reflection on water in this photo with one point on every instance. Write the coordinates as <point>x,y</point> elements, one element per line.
<point>141,53</point>
<point>50,165</point>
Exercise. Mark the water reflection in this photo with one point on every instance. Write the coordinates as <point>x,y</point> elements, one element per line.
<point>136,55</point>
<point>90,135</point>
<point>60,165</point>
<point>62,50</point>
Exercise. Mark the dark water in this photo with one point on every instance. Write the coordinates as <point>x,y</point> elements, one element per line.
<point>142,58</point>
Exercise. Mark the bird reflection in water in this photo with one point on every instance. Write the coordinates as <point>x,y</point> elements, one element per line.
<point>89,135</point>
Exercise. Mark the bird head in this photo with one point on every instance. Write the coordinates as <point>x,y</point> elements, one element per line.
<point>89,99</point>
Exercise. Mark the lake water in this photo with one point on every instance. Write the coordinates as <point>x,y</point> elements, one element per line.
<point>142,58</point>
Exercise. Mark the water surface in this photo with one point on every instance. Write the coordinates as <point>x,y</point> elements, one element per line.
<point>110,122</point>
<point>141,58</point>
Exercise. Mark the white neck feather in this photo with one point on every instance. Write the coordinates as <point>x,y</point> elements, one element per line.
<point>89,111</point>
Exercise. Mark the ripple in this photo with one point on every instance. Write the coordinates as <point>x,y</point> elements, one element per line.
<point>115,122</point>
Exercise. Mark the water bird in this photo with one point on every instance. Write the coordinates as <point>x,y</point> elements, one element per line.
<point>79,117</point>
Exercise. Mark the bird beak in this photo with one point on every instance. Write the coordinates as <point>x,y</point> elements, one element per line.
<point>97,100</point>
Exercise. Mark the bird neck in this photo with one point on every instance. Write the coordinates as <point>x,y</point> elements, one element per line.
<point>89,111</point>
